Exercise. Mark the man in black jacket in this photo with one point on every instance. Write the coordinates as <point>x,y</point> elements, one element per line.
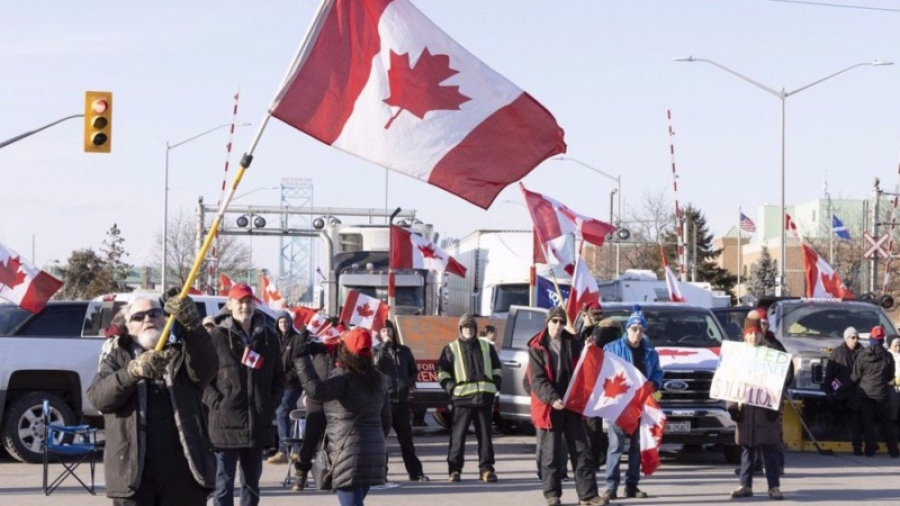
<point>874,371</point>
<point>157,448</point>
<point>469,370</point>
<point>289,339</point>
<point>841,391</point>
<point>592,331</point>
<point>243,396</point>
<point>397,364</point>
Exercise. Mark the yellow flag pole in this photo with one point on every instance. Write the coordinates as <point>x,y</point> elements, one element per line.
<point>300,55</point>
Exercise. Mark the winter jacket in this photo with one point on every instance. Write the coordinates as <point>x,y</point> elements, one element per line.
<point>241,400</point>
<point>397,364</point>
<point>288,344</point>
<point>479,381</point>
<point>123,401</point>
<point>838,370</point>
<point>358,419</point>
<point>621,348</point>
<point>756,425</point>
<point>874,372</point>
<point>544,386</point>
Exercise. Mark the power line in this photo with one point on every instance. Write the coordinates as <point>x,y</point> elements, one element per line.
<point>836,5</point>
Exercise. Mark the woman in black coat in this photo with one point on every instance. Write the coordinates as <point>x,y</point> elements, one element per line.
<point>358,414</point>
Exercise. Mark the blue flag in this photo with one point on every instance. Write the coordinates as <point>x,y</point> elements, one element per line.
<point>547,296</point>
<point>838,228</point>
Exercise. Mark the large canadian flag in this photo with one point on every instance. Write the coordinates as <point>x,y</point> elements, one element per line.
<point>583,292</point>
<point>553,219</point>
<point>24,284</point>
<point>607,386</point>
<point>412,251</point>
<point>270,293</point>
<point>821,280</point>
<point>672,284</point>
<point>364,311</point>
<point>379,80</point>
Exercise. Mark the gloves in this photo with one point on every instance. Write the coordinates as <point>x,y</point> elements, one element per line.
<point>185,312</point>
<point>150,364</point>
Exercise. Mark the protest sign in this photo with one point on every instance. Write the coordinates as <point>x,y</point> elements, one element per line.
<point>750,375</point>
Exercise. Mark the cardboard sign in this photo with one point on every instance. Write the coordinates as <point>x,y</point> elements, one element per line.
<point>427,371</point>
<point>750,375</point>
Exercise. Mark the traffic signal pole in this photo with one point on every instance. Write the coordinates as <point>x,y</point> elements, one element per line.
<point>36,130</point>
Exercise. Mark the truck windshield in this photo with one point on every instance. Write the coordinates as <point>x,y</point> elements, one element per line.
<point>407,296</point>
<point>510,295</point>
<point>671,326</point>
<point>829,319</point>
<point>11,318</point>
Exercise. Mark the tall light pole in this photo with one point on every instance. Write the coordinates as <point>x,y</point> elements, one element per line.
<point>782,95</point>
<point>170,147</point>
<point>618,180</point>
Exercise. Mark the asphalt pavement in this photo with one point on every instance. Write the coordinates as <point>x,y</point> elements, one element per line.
<point>699,477</point>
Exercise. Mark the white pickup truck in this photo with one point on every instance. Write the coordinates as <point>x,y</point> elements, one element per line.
<point>54,355</point>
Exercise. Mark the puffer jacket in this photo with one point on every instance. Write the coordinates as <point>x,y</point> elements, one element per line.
<point>756,425</point>
<point>358,419</point>
<point>123,401</point>
<point>397,364</point>
<point>874,372</point>
<point>621,348</point>
<point>544,386</point>
<point>242,401</point>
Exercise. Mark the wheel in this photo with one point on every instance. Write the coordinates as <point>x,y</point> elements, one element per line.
<point>732,454</point>
<point>22,431</point>
<point>442,417</point>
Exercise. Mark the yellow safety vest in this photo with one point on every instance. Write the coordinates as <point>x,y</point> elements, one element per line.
<point>466,387</point>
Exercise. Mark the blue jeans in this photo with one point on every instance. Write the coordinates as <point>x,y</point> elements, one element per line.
<point>283,415</point>
<point>226,467</point>
<point>617,439</point>
<point>352,496</point>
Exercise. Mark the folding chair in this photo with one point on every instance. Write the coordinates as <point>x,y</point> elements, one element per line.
<point>70,446</point>
<point>293,443</point>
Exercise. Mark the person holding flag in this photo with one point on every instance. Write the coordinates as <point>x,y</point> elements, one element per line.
<point>243,396</point>
<point>592,332</point>
<point>635,349</point>
<point>553,354</point>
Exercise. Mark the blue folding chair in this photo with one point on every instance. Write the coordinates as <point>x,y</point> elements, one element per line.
<point>71,446</point>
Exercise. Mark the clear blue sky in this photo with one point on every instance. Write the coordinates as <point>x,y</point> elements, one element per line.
<point>604,69</point>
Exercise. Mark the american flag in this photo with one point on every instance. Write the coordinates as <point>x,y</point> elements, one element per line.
<point>747,224</point>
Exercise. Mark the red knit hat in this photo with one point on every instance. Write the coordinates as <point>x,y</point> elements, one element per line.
<point>748,330</point>
<point>877,333</point>
<point>358,341</point>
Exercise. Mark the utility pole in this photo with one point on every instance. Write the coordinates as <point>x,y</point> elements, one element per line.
<point>873,264</point>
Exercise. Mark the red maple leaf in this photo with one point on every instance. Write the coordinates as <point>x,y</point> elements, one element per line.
<point>833,285</point>
<point>429,252</point>
<point>418,89</point>
<point>365,311</point>
<point>657,431</point>
<point>614,386</point>
<point>9,273</point>
<point>675,353</point>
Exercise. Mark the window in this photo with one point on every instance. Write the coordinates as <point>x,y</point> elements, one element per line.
<point>671,326</point>
<point>11,318</point>
<point>56,321</point>
<point>350,242</point>
<point>509,295</point>
<point>814,319</point>
<point>527,323</point>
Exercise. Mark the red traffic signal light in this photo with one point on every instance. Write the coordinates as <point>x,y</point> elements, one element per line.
<point>97,122</point>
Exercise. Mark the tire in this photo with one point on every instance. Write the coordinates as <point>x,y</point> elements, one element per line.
<point>732,454</point>
<point>22,431</point>
<point>442,417</point>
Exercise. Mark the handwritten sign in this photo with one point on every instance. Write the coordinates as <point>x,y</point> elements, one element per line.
<point>750,375</point>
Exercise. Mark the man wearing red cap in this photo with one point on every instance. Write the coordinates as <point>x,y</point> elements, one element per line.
<point>874,372</point>
<point>243,396</point>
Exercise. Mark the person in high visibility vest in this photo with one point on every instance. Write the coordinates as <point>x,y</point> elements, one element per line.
<point>469,370</point>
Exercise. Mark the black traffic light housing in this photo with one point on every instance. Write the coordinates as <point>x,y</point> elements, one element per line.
<point>98,121</point>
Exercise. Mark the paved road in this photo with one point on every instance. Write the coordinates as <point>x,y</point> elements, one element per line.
<point>684,479</point>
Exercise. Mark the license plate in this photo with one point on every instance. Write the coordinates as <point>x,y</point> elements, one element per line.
<point>678,427</point>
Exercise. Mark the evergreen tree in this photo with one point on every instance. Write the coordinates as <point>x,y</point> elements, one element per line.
<point>84,276</point>
<point>707,269</point>
<point>761,281</point>
<point>116,270</point>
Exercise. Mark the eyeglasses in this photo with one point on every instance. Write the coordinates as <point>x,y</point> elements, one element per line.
<point>556,321</point>
<point>152,313</point>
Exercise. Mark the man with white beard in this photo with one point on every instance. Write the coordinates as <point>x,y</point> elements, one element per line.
<point>157,447</point>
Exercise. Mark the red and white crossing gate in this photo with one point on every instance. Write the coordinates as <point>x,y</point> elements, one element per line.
<point>876,246</point>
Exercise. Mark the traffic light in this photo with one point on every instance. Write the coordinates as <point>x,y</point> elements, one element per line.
<point>97,121</point>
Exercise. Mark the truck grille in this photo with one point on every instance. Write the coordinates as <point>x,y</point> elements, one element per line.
<point>687,387</point>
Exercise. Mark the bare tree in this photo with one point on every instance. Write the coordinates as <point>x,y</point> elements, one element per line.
<point>182,250</point>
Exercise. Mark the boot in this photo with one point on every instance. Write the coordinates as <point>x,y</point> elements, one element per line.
<point>302,477</point>
<point>278,458</point>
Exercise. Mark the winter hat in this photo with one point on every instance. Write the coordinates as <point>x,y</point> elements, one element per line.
<point>209,320</point>
<point>762,314</point>
<point>752,320</point>
<point>877,334</point>
<point>388,325</point>
<point>358,341</point>
<point>850,331</point>
<point>467,319</point>
<point>636,318</point>
<point>751,329</point>
<point>555,312</point>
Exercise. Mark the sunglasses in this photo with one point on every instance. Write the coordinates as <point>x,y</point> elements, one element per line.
<point>556,320</point>
<point>152,313</point>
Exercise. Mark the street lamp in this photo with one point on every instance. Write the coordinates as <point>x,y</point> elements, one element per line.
<point>618,180</point>
<point>782,95</point>
<point>170,147</point>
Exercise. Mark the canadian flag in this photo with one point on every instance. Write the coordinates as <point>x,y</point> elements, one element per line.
<point>252,359</point>
<point>24,284</point>
<point>364,311</point>
<point>584,290</point>
<point>270,293</point>
<point>607,386</point>
<point>379,80</point>
<point>301,316</point>
<point>672,284</point>
<point>790,225</point>
<point>412,251</point>
<point>319,326</point>
<point>553,219</point>
<point>225,284</point>
<point>821,280</point>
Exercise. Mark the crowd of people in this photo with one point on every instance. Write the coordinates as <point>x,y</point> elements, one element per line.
<point>219,394</point>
